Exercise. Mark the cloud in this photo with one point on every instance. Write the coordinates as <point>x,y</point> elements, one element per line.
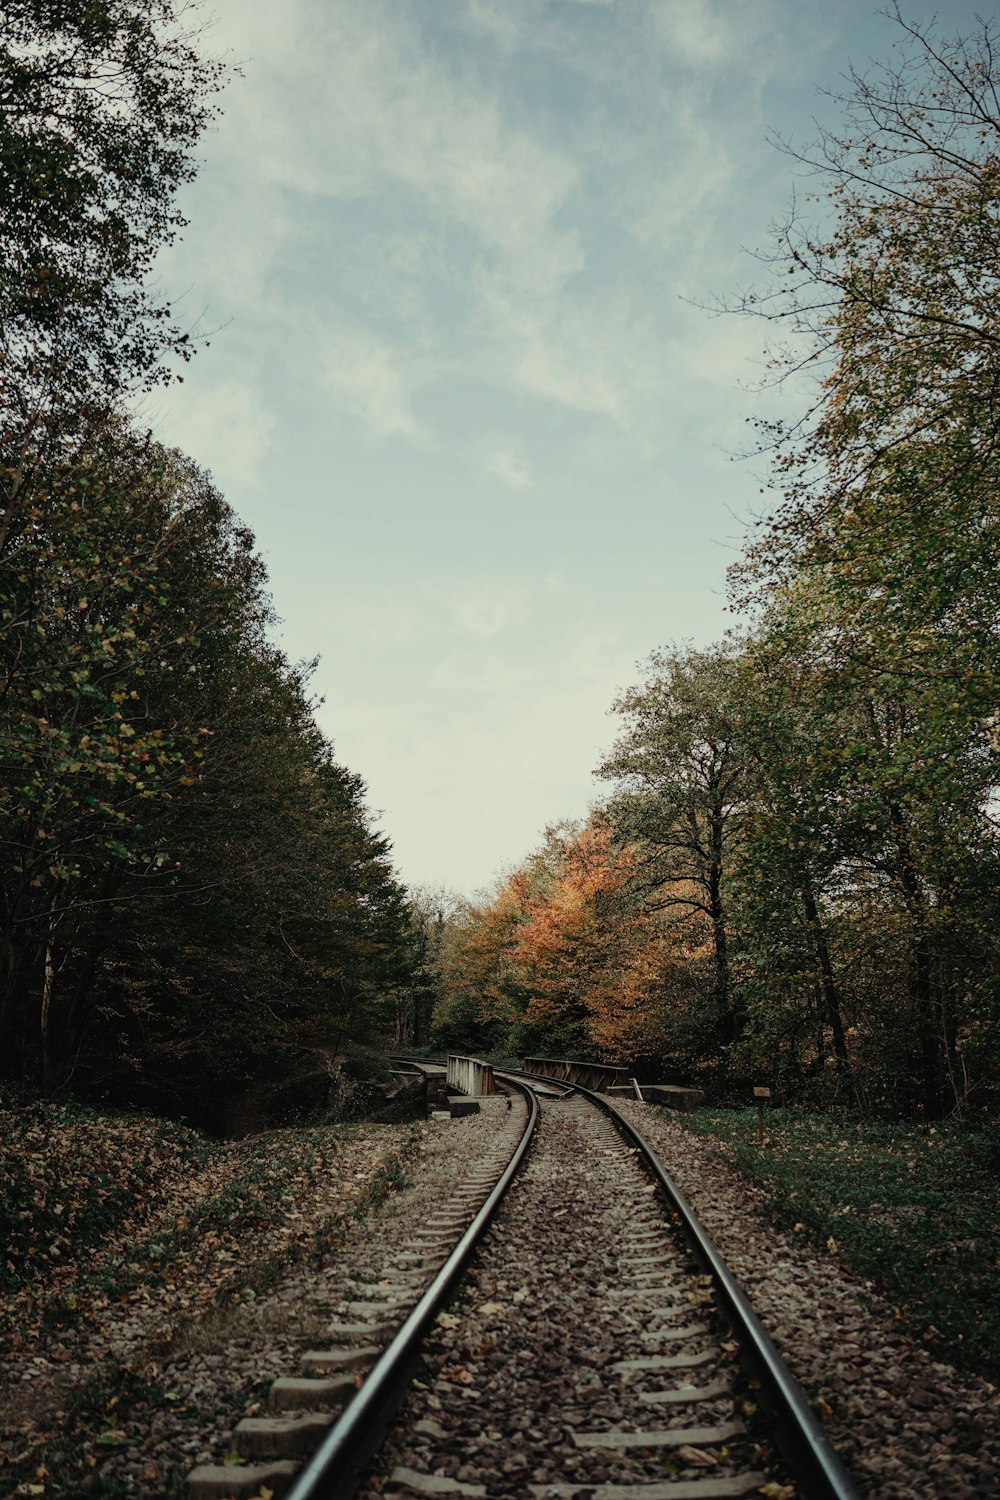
<point>233,432</point>
<point>507,464</point>
<point>405,216</point>
<point>708,34</point>
<point>366,377</point>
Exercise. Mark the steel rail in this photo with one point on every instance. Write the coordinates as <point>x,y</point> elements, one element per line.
<point>340,1465</point>
<point>801,1439</point>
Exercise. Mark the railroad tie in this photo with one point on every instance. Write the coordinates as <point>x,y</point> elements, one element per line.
<point>403,1478</point>
<point>325,1361</point>
<point>240,1481</point>
<point>363,1308</point>
<point>281,1437</point>
<point>683,1395</point>
<point>726,1487</point>
<point>666,1258</point>
<point>293,1393</point>
<point>663,1437</point>
<point>640,1293</point>
<point>671,1312</point>
<point>663,1362</point>
<point>338,1330</point>
<point>678,1335</point>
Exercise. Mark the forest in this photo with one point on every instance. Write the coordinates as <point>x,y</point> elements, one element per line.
<point>196,905</point>
<point>792,877</point>
<point>791,872</point>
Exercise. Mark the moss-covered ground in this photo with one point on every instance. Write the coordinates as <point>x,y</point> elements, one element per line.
<point>911,1207</point>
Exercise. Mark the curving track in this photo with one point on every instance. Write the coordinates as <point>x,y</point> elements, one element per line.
<point>587,1352</point>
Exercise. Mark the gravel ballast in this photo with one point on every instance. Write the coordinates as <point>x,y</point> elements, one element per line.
<point>583,1350</point>
<point>908,1426</point>
<point>132,1409</point>
<point>544,1405</point>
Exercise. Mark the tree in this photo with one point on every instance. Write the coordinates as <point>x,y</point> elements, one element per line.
<point>189,881</point>
<point>900,769</point>
<point>889,475</point>
<point>102,103</point>
<point>190,884</point>
<point>430,908</point>
<point>880,565</point>
<point>681,770</point>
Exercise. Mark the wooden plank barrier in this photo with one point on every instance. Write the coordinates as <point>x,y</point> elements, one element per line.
<point>470,1076</point>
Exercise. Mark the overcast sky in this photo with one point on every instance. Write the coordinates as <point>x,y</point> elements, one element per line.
<point>460,385</point>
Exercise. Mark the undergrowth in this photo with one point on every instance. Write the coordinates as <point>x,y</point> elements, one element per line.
<point>95,1208</point>
<point>910,1207</point>
<point>104,1215</point>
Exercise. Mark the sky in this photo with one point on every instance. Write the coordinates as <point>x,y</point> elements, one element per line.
<point>454,263</point>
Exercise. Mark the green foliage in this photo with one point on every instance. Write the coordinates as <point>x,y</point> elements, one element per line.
<point>190,880</point>
<point>192,895</point>
<point>681,768</point>
<point>912,1208</point>
<point>104,102</point>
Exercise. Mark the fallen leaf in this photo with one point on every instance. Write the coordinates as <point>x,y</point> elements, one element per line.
<point>696,1457</point>
<point>831,1245</point>
<point>823,1410</point>
<point>491,1307</point>
<point>447,1320</point>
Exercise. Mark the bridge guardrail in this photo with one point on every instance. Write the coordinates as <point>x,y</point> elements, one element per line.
<point>471,1076</point>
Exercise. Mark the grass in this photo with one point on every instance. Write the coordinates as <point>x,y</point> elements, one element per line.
<point>911,1207</point>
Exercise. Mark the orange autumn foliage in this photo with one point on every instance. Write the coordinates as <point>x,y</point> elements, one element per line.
<point>566,957</point>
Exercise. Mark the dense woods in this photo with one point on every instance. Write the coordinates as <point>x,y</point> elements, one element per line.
<point>196,907</point>
<point>794,876</point>
<point>793,873</point>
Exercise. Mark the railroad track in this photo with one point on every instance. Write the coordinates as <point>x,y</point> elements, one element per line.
<point>590,1350</point>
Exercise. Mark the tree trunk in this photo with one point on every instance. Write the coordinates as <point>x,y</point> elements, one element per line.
<point>46,1071</point>
<point>828,988</point>
<point>931,1059</point>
